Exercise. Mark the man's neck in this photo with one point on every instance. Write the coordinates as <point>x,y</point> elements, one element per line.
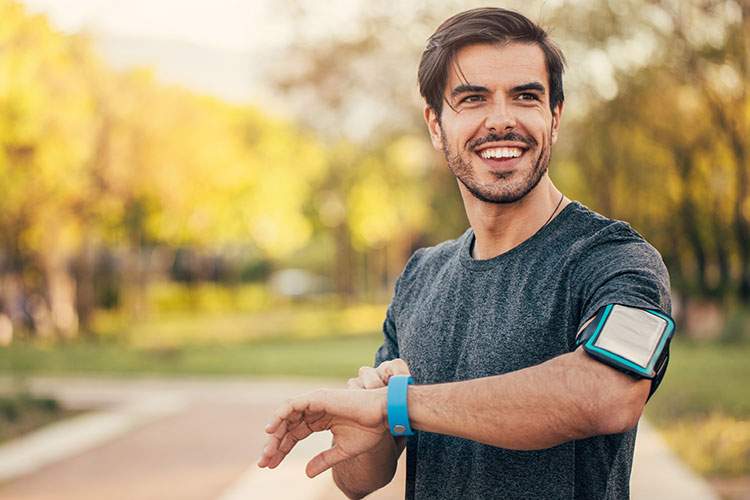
<point>502,227</point>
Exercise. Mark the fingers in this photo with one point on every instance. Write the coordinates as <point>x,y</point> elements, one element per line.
<point>290,424</point>
<point>396,366</point>
<point>370,378</point>
<point>354,383</point>
<point>324,461</point>
<point>374,378</point>
<point>358,413</point>
<point>271,450</point>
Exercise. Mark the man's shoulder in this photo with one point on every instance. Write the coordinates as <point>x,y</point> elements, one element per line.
<point>428,259</point>
<point>587,229</point>
<point>613,263</point>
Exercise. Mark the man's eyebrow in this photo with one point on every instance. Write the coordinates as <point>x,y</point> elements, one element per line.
<point>463,89</point>
<point>528,86</point>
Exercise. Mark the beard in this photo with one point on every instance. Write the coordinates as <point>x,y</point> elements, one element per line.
<point>504,189</point>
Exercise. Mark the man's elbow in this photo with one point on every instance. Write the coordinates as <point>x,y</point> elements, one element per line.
<point>620,410</point>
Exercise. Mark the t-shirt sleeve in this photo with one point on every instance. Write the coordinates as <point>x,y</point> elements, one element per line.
<point>389,349</point>
<point>622,268</point>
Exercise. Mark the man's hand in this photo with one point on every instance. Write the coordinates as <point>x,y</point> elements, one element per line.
<point>357,418</point>
<point>375,378</point>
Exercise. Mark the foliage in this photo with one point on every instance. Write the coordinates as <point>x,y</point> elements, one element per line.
<point>206,320</point>
<point>717,446</point>
<point>112,181</point>
<point>666,144</point>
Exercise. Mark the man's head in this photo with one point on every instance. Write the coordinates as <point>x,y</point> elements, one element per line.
<point>488,26</point>
<point>501,79</point>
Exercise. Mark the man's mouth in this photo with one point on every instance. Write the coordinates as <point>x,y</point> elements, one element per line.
<point>500,153</point>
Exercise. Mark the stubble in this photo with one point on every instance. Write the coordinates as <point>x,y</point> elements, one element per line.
<point>504,188</point>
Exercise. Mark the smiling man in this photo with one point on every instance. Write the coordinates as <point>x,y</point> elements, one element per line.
<point>516,359</point>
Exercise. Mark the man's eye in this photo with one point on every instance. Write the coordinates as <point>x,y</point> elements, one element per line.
<point>471,98</point>
<point>528,96</point>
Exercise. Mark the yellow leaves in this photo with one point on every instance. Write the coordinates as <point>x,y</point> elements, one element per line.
<point>122,160</point>
<point>281,233</point>
<point>410,154</point>
<point>382,205</point>
<point>373,215</point>
<point>713,446</point>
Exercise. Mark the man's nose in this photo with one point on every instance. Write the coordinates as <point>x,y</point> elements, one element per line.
<point>500,117</point>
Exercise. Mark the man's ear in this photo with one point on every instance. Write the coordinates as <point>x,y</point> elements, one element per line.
<point>433,124</point>
<point>556,115</point>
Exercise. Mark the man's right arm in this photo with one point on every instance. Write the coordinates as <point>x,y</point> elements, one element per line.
<point>363,474</point>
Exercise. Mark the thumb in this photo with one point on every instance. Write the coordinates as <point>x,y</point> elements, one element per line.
<point>324,461</point>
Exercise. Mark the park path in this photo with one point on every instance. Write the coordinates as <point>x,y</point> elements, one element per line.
<point>162,439</point>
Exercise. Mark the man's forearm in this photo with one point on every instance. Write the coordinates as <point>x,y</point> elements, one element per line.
<point>568,397</point>
<point>363,474</point>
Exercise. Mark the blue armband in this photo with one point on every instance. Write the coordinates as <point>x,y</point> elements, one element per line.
<point>398,416</point>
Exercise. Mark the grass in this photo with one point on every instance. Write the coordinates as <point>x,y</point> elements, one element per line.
<point>334,356</point>
<point>703,407</point>
<point>21,413</point>
<point>307,339</point>
<point>167,328</point>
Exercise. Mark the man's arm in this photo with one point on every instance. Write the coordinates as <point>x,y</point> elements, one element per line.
<point>361,475</point>
<point>568,397</point>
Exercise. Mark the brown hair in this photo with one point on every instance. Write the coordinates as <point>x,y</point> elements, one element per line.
<point>487,25</point>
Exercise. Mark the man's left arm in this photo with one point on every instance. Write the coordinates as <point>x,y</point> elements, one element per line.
<point>568,397</point>
<point>571,396</point>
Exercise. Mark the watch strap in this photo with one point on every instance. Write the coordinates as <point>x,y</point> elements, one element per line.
<point>398,415</point>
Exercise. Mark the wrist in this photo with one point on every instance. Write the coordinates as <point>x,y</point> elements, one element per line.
<point>382,393</point>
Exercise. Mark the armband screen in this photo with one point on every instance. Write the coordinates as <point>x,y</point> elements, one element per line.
<point>630,339</point>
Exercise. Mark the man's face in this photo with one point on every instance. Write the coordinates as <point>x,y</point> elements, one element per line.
<point>496,128</point>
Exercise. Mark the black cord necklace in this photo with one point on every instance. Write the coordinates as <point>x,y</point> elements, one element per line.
<point>562,197</point>
<point>474,238</point>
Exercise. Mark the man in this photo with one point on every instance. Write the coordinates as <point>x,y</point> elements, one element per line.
<point>505,402</point>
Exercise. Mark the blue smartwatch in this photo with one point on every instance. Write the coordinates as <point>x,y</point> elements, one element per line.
<point>398,416</point>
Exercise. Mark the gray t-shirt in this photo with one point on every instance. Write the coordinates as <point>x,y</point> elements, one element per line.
<point>453,318</point>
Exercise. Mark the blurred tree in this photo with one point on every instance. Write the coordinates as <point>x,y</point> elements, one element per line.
<point>44,128</point>
<point>104,175</point>
<point>668,149</point>
<point>656,122</point>
<point>101,169</point>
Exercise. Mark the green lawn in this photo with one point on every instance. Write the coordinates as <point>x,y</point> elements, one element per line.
<point>704,378</point>
<point>703,407</point>
<point>307,339</point>
<point>333,356</point>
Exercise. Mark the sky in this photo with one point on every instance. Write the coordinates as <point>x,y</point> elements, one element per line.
<point>240,35</point>
<point>230,24</point>
<point>253,29</point>
<point>227,24</point>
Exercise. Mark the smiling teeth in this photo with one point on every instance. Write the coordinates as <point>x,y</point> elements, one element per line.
<point>500,153</point>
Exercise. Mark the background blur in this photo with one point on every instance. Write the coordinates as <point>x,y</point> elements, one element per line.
<point>232,187</point>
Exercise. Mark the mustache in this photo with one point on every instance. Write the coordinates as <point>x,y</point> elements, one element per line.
<point>510,136</point>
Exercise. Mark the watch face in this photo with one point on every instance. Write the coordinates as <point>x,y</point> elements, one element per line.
<point>633,334</point>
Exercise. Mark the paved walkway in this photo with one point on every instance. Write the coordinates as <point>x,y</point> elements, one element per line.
<point>199,439</point>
